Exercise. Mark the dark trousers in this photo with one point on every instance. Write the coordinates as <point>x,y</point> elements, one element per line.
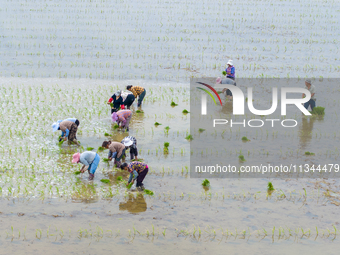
<point>310,103</point>
<point>141,97</point>
<point>133,152</point>
<point>129,100</point>
<point>141,177</point>
<point>114,110</point>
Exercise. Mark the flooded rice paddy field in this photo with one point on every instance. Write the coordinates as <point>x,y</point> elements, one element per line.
<point>43,202</point>
<point>65,59</point>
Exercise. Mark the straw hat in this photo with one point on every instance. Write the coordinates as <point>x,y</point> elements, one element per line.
<point>76,157</point>
<point>127,142</point>
<point>230,62</point>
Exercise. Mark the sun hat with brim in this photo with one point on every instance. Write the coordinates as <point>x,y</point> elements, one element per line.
<point>114,117</point>
<point>76,157</point>
<point>127,142</point>
<point>55,126</point>
<point>309,81</point>
<point>230,62</point>
<point>218,80</point>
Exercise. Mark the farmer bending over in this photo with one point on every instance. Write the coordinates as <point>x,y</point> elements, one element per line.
<point>87,158</point>
<point>128,98</point>
<point>226,91</point>
<point>123,118</point>
<point>116,101</point>
<point>312,90</point>
<point>137,170</point>
<point>55,126</point>
<point>116,151</point>
<point>130,142</point>
<point>137,91</point>
<point>68,130</point>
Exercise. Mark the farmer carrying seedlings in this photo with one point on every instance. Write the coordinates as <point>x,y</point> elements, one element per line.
<point>115,101</point>
<point>128,98</point>
<point>87,158</point>
<point>123,118</point>
<point>230,70</point>
<point>312,90</point>
<point>68,130</point>
<point>226,91</point>
<point>137,170</point>
<point>137,91</point>
<point>116,151</point>
<point>130,142</point>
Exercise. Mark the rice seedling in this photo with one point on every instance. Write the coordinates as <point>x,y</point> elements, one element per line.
<point>77,172</point>
<point>270,187</point>
<point>241,158</point>
<point>224,73</point>
<point>100,149</point>
<point>245,139</point>
<point>157,124</point>
<point>189,137</point>
<point>185,111</point>
<point>173,104</point>
<point>119,178</point>
<point>205,183</point>
<point>107,134</point>
<point>307,153</point>
<point>318,111</point>
<point>106,160</point>
<point>148,192</point>
<point>139,111</point>
<point>105,180</point>
<point>201,130</point>
<point>89,148</point>
<point>167,128</point>
<point>115,126</point>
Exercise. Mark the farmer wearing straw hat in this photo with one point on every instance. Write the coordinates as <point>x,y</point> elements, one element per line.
<point>130,142</point>
<point>115,101</point>
<point>87,158</point>
<point>138,171</point>
<point>230,70</point>
<point>55,126</point>
<point>312,90</point>
<point>116,151</point>
<point>226,91</point>
<point>123,118</point>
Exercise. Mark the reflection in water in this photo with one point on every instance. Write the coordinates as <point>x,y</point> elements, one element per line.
<point>305,132</point>
<point>134,204</point>
<point>227,107</point>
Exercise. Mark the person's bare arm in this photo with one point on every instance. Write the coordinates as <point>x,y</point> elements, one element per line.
<point>312,95</point>
<point>83,169</point>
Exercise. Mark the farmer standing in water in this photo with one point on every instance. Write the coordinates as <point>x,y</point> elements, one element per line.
<point>138,171</point>
<point>137,91</point>
<point>226,91</point>
<point>128,98</point>
<point>312,90</point>
<point>130,142</point>
<point>116,151</point>
<point>68,130</point>
<point>230,70</point>
<point>123,118</point>
<point>56,125</point>
<point>116,100</point>
<point>87,158</point>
